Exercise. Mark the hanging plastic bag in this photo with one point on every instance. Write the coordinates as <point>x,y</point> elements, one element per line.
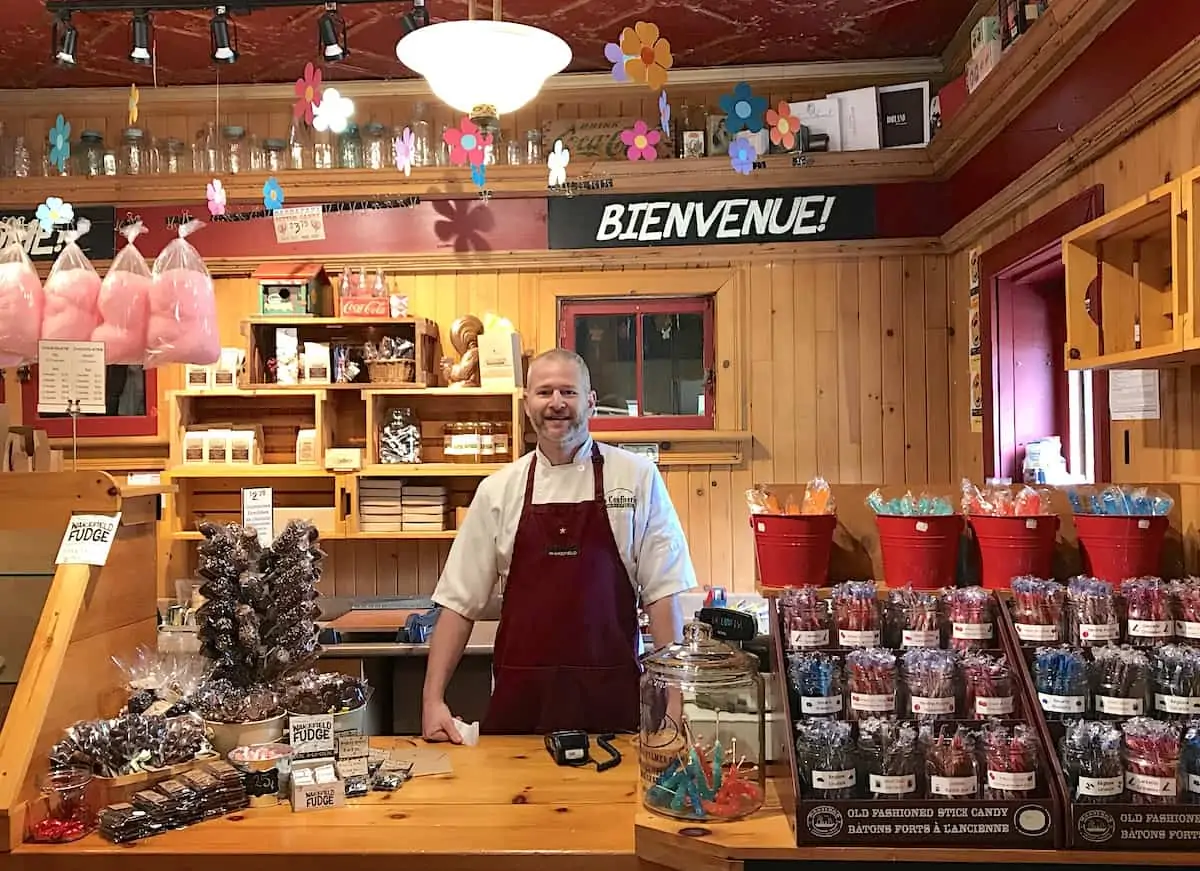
<point>21,304</point>
<point>72,292</point>
<point>124,304</point>
<point>183,306</point>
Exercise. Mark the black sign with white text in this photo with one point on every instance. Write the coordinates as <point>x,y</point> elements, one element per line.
<point>713,217</point>
<point>99,243</point>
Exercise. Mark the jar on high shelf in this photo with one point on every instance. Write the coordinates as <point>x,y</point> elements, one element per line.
<point>91,153</point>
<point>206,151</point>
<point>234,150</point>
<point>275,155</point>
<point>702,744</point>
<point>300,146</point>
<point>375,146</point>
<point>175,158</point>
<point>349,148</point>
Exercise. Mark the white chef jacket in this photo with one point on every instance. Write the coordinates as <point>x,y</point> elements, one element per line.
<point>644,523</point>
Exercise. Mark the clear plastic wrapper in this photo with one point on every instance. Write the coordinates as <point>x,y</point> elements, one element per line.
<point>806,618</point>
<point>1010,761</point>
<point>857,616</point>
<point>951,764</point>
<point>182,326</point>
<point>1092,618</point>
<point>128,744</point>
<point>826,759</point>
<point>72,293</point>
<point>1151,753</point>
<point>124,303</point>
<point>1062,680</point>
<point>931,684</point>
<point>1091,760</point>
<point>987,686</point>
<point>1176,682</point>
<point>1187,603</point>
<point>1190,753</point>
<point>1119,501</point>
<point>889,755</point>
<point>1121,681</point>
<point>1149,611</point>
<point>1037,609</point>
<point>1004,501</point>
<point>816,679</point>
<point>161,683</point>
<point>22,304</point>
<point>871,683</point>
<point>908,505</point>
<point>971,612</point>
<point>817,499</point>
<point>914,618</point>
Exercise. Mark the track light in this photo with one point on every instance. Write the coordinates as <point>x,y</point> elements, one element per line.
<point>140,39</point>
<point>224,37</point>
<point>416,19</point>
<point>331,32</point>
<point>65,38</point>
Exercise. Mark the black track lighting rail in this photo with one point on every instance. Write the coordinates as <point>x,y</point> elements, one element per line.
<point>231,6</point>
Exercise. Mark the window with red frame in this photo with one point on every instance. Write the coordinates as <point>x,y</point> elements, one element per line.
<point>131,404</point>
<point>651,360</point>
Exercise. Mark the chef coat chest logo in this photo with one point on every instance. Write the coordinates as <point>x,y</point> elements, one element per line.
<point>620,499</point>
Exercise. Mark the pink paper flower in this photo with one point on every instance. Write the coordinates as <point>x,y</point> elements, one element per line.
<point>216,197</point>
<point>641,142</point>
<point>308,94</point>
<point>466,143</point>
<point>404,147</point>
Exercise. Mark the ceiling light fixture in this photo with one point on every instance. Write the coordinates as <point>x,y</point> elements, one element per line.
<point>484,68</point>
<point>140,39</point>
<point>223,31</point>
<point>331,33</point>
<point>65,38</point>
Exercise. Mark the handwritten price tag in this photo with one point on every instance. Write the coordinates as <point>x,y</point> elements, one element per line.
<point>303,224</point>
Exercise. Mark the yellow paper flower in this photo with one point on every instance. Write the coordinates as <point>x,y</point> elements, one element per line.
<point>648,55</point>
<point>133,104</point>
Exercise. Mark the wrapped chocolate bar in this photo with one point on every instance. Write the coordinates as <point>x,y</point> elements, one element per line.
<point>122,823</point>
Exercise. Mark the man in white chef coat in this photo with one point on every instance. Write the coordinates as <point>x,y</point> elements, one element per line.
<point>580,535</point>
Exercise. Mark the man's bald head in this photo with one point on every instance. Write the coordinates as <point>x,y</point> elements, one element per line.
<point>562,355</point>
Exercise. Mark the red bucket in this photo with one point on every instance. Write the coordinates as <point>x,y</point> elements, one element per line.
<point>1010,547</point>
<point>1115,548</point>
<point>793,549</point>
<point>922,551</point>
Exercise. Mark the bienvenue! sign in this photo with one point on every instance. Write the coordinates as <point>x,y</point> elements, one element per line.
<point>713,217</point>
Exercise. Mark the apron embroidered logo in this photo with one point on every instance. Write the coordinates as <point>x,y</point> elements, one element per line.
<point>620,499</point>
<point>562,551</point>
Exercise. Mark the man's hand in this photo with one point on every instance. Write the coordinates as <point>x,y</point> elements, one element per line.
<point>437,723</point>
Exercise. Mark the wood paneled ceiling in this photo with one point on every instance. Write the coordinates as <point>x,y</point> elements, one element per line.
<point>276,43</point>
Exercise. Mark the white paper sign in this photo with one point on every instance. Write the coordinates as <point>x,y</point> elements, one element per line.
<point>88,539</point>
<point>1133,394</point>
<point>311,736</point>
<point>648,450</point>
<point>70,371</point>
<point>258,511</point>
<point>302,224</point>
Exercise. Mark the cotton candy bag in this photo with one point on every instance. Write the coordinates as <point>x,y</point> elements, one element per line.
<point>22,301</point>
<point>72,291</point>
<point>183,307</point>
<point>124,304</point>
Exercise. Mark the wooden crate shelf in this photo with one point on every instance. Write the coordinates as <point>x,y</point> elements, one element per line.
<point>434,410</point>
<point>1127,287</point>
<point>430,470</point>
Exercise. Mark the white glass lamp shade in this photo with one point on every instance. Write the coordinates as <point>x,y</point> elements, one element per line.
<point>469,64</point>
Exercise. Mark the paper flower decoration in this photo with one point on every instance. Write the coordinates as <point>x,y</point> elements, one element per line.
<point>664,114</point>
<point>216,197</point>
<point>333,112</point>
<point>647,55</point>
<point>133,104</point>
<point>745,110</point>
<point>308,94</point>
<point>403,149</point>
<point>785,126</point>
<point>466,143</point>
<point>272,195</point>
<point>641,142</point>
<point>60,143</point>
<point>54,212</point>
<point>742,154</point>
<point>616,57</point>
<point>478,174</point>
<point>557,161</point>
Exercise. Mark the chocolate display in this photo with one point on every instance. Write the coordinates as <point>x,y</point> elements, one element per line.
<point>312,692</point>
<point>400,438</point>
<point>128,744</point>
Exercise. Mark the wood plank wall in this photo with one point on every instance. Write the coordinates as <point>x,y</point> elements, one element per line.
<point>1159,450</point>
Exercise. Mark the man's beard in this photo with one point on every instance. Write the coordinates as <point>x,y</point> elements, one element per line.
<point>577,426</point>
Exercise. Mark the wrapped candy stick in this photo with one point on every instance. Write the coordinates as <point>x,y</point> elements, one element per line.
<point>1191,761</point>
<point>871,682</point>
<point>1060,677</point>
<point>971,612</point>
<point>828,769</point>
<point>856,614</point>
<point>1092,619</point>
<point>988,686</point>
<point>1011,759</point>
<point>1177,682</point>
<point>816,678</point>
<point>1038,609</point>
<point>1122,680</point>
<point>951,765</point>
<point>1151,761</point>
<point>890,757</point>
<point>805,618</point>
<point>1187,596</point>
<point>1149,611</point>
<point>1091,761</point>
<point>931,683</point>
<point>913,618</point>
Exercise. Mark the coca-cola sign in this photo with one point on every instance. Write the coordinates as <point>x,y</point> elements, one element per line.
<point>373,307</point>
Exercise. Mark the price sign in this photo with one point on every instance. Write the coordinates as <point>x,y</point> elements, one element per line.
<point>88,539</point>
<point>258,512</point>
<point>649,450</point>
<point>70,372</point>
<point>303,224</point>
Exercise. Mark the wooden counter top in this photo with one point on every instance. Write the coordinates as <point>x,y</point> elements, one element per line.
<point>506,807</point>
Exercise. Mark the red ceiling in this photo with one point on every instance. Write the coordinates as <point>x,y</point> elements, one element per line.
<point>276,43</point>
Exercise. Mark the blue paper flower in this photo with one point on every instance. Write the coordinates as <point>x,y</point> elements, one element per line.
<point>664,113</point>
<point>60,143</point>
<point>742,154</point>
<point>54,212</point>
<point>272,195</point>
<point>745,110</point>
<point>478,174</point>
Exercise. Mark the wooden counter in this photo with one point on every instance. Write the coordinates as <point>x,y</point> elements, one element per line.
<point>506,806</point>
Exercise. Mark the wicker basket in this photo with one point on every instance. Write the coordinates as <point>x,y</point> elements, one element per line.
<point>392,372</point>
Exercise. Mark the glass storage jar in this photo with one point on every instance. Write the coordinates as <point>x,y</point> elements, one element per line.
<point>702,746</point>
<point>275,155</point>
<point>206,155</point>
<point>349,148</point>
<point>91,154</point>
<point>376,153</point>
<point>174,158</point>
<point>234,149</point>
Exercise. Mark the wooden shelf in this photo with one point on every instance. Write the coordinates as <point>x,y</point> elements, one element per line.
<point>458,392</point>
<point>430,470</point>
<point>266,470</point>
<point>444,535</point>
<point>302,321</point>
<point>674,435</point>
<point>1126,284</point>
<point>257,391</point>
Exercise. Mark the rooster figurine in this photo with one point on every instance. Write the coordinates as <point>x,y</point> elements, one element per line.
<point>464,336</point>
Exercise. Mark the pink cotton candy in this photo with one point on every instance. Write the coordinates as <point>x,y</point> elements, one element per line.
<point>21,304</point>
<point>124,314</point>
<point>71,314</point>
<point>183,319</point>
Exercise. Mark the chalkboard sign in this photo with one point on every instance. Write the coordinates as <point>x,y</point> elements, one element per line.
<point>835,213</point>
<point>99,243</point>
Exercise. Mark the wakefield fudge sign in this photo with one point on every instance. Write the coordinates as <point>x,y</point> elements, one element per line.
<point>713,217</point>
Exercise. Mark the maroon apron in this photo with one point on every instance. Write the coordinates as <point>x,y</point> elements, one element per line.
<point>566,650</point>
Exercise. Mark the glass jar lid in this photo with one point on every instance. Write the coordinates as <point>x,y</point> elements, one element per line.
<point>374,129</point>
<point>174,145</point>
<point>132,133</point>
<point>91,136</point>
<point>700,658</point>
<point>274,144</point>
<point>233,132</point>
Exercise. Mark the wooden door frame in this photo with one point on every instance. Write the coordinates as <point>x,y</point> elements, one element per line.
<point>1017,254</point>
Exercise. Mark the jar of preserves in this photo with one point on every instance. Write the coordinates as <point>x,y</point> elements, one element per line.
<point>233,149</point>
<point>487,441</point>
<point>702,744</point>
<point>91,153</point>
<point>376,153</point>
<point>449,446</point>
<point>470,442</point>
<point>501,449</point>
<point>131,157</point>
<point>275,155</point>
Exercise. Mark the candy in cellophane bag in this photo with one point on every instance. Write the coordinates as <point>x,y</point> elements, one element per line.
<point>1003,501</point>
<point>124,304</point>
<point>72,293</point>
<point>183,307</point>
<point>21,304</point>
<point>817,499</point>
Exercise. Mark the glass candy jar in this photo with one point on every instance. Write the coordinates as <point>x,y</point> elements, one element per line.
<point>234,151</point>
<point>69,813</point>
<point>91,154</point>
<point>376,148</point>
<point>702,746</point>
